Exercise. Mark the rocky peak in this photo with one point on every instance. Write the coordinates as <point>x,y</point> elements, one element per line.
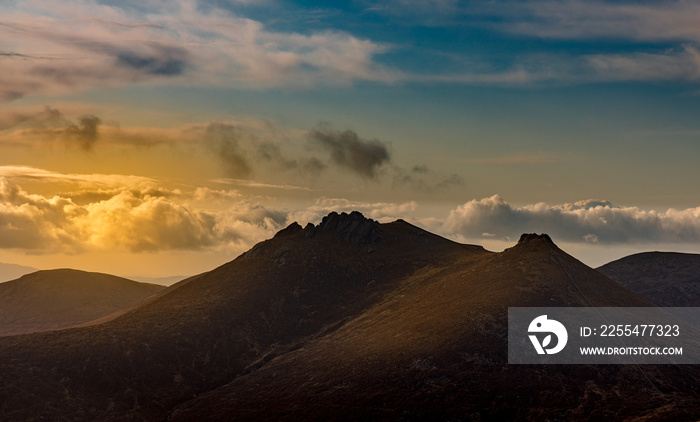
<point>355,228</point>
<point>534,237</point>
<point>289,230</point>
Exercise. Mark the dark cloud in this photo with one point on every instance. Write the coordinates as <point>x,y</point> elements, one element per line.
<point>271,152</point>
<point>47,116</point>
<point>422,178</point>
<point>7,95</point>
<point>348,150</point>
<point>82,60</point>
<point>85,133</point>
<point>313,166</point>
<point>422,169</point>
<point>450,181</point>
<point>50,124</point>
<point>159,61</point>
<point>224,139</point>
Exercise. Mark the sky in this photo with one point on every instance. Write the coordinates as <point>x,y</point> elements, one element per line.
<point>167,137</point>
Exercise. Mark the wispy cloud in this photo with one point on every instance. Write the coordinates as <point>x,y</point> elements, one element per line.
<point>254,184</point>
<point>102,180</point>
<point>575,19</point>
<point>62,47</point>
<point>422,178</point>
<point>525,158</point>
<point>661,40</point>
<point>591,221</point>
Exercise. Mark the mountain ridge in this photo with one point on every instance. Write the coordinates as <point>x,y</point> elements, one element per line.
<point>664,278</point>
<point>323,326</point>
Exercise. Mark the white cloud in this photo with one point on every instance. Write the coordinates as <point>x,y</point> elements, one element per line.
<point>61,47</point>
<point>575,19</point>
<point>102,180</point>
<point>591,221</point>
<point>640,25</point>
<point>129,218</point>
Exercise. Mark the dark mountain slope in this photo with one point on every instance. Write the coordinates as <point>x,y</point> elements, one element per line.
<point>436,350</point>
<point>663,278</point>
<point>302,284</point>
<point>56,299</point>
<point>348,319</point>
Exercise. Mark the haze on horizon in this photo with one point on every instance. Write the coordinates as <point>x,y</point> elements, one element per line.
<point>167,138</point>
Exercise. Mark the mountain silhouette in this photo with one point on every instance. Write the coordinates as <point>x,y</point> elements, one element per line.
<point>56,299</point>
<point>348,319</point>
<point>663,278</point>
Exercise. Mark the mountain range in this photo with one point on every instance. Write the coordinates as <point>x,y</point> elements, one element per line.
<point>346,320</point>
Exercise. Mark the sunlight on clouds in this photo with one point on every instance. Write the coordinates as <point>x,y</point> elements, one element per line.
<point>131,219</point>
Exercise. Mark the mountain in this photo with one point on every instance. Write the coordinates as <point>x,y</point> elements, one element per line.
<point>56,299</point>
<point>13,271</point>
<point>350,320</point>
<point>663,278</point>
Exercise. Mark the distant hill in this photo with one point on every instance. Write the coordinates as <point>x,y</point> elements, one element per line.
<point>663,278</point>
<point>346,320</point>
<point>12,271</point>
<point>56,299</point>
<point>164,281</point>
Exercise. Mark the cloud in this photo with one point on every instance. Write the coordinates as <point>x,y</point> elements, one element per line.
<point>575,19</point>
<point>683,64</point>
<point>61,47</point>
<point>85,133</point>
<point>223,139</point>
<point>50,124</point>
<point>254,184</point>
<point>129,218</point>
<point>348,150</point>
<point>272,152</point>
<point>157,60</point>
<point>34,222</point>
<point>538,158</point>
<point>584,221</point>
<point>12,119</point>
<point>661,39</point>
<point>205,193</point>
<point>82,180</point>
<point>560,19</point>
<point>422,178</point>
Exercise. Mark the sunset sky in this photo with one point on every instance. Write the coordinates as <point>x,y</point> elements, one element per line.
<point>166,137</point>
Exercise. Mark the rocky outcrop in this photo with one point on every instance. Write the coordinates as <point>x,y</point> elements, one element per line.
<point>355,228</point>
<point>529,237</point>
